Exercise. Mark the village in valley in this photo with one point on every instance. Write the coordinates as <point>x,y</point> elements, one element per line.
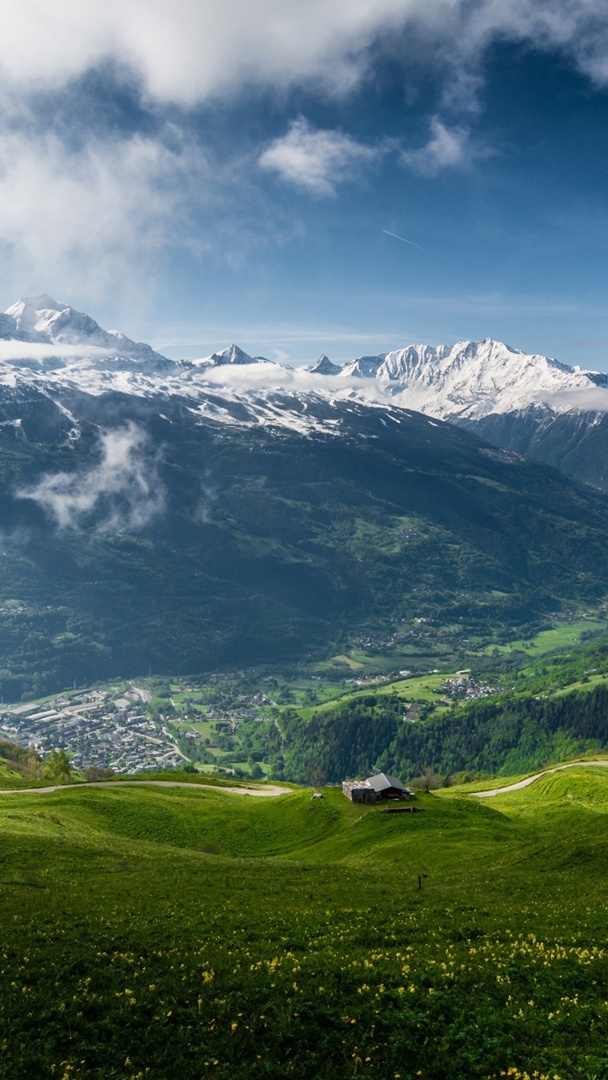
<point>232,723</point>
<point>226,723</point>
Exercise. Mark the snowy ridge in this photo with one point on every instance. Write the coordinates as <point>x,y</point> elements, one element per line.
<point>53,351</point>
<point>470,380</point>
<point>57,351</point>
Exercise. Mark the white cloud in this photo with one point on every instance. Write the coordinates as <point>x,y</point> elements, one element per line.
<point>577,27</point>
<point>123,490</point>
<point>594,399</point>
<point>446,148</point>
<point>316,160</point>
<point>187,51</point>
<point>82,219</point>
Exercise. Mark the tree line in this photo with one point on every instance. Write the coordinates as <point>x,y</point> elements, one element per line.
<point>504,735</point>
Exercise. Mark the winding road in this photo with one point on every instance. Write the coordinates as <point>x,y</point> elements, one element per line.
<point>531,779</point>
<point>271,790</point>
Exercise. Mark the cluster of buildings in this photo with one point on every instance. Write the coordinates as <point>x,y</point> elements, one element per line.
<point>98,727</point>
<point>368,680</point>
<point>462,687</point>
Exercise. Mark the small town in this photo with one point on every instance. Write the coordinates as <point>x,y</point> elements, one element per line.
<point>462,687</point>
<point>96,728</point>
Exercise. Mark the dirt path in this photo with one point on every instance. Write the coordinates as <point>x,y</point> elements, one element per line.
<point>271,790</point>
<point>531,779</point>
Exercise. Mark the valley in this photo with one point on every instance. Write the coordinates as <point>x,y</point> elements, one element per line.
<point>257,723</point>
<point>221,577</point>
<point>304,571</point>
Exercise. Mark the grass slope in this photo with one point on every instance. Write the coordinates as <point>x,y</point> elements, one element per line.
<point>154,933</point>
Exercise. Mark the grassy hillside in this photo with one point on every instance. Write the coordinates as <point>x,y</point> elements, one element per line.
<point>154,933</point>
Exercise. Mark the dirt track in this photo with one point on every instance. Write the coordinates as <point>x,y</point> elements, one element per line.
<point>259,792</point>
<point>531,779</point>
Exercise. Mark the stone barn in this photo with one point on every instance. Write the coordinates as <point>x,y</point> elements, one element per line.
<point>375,788</point>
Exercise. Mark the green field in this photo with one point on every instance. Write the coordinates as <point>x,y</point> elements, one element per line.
<point>420,688</point>
<point>191,932</point>
<point>563,636</point>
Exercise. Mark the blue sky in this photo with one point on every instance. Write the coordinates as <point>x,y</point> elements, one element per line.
<point>200,174</point>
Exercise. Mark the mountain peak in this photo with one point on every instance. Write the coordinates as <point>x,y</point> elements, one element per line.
<point>365,367</point>
<point>232,355</point>
<point>42,303</point>
<point>324,366</point>
<point>42,320</point>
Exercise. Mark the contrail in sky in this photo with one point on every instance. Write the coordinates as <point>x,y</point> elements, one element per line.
<point>410,242</point>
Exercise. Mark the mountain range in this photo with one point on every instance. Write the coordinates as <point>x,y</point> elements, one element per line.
<point>181,516</point>
<point>529,404</point>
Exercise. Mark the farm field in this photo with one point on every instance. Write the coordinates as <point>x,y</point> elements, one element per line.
<point>426,687</point>
<point>562,636</point>
<point>193,932</point>
<point>416,688</point>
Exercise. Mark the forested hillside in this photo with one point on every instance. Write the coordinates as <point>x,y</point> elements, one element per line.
<point>505,735</point>
<point>165,542</point>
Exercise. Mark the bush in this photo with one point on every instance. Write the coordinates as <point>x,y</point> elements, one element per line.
<point>97,772</point>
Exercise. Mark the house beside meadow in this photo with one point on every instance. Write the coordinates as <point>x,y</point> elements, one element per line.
<point>375,788</point>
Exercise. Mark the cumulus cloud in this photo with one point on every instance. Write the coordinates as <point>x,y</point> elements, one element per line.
<point>316,160</point>
<point>185,51</point>
<point>84,210</point>
<point>578,28</point>
<point>446,148</point>
<point>122,492</point>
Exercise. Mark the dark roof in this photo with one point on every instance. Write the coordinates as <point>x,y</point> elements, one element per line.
<point>380,782</point>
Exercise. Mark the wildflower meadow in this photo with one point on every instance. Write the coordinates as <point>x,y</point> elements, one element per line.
<point>154,934</point>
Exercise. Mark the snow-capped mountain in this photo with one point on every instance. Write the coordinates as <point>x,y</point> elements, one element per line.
<point>463,382</point>
<point>40,320</point>
<point>521,402</point>
<point>524,402</point>
<point>230,511</point>
<point>472,379</point>
<point>51,351</point>
<point>324,366</point>
<point>231,355</point>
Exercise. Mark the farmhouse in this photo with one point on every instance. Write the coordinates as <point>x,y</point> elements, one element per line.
<point>358,791</point>
<point>388,787</point>
<point>375,788</point>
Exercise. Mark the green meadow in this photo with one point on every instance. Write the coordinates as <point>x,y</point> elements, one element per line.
<point>190,932</point>
<point>563,636</point>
